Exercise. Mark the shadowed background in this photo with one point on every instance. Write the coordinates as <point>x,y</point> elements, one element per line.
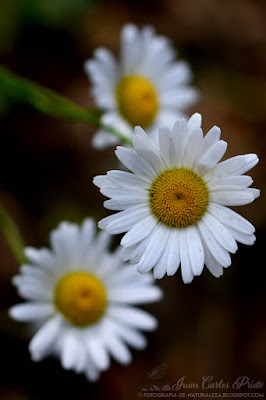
<point>210,327</point>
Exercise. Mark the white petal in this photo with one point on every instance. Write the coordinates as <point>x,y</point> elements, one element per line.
<point>133,317</point>
<point>154,249</point>
<point>231,218</point>
<point>101,180</point>
<point>147,151</point>
<point>211,157</point>
<point>42,257</point>
<point>63,241</point>
<point>124,220</point>
<point>255,192</point>
<point>45,338</point>
<point>136,251</point>
<point>114,191</point>
<point>88,230</point>
<point>129,41</point>
<point>98,352</point>
<point>194,122</point>
<point>218,252</point>
<point>178,73</point>
<point>101,140</point>
<point>70,349</point>
<point>180,99</point>
<point>173,261</point>
<point>128,179</point>
<point>159,270</point>
<point>143,295</point>
<point>250,161</point>
<point>170,259</point>
<point>91,371</point>
<point>186,269</point>
<point>132,337</point>
<point>231,182</point>
<point>195,249</point>
<point>165,142</point>
<point>212,137</point>
<point>108,60</point>
<point>248,239</point>
<point>180,138</point>
<point>135,163</point>
<point>232,197</point>
<point>124,276</point>
<point>139,231</point>
<point>102,243</point>
<point>118,349</point>
<point>32,289</point>
<point>213,266</point>
<point>220,233</point>
<point>194,143</point>
<point>31,311</point>
<point>225,168</point>
<point>123,202</point>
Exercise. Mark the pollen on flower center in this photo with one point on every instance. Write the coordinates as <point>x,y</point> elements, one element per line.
<point>81,298</point>
<point>137,100</point>
<point>178,197</point>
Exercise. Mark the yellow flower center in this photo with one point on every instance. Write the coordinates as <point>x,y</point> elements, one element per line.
<point>81,298</point>
<point>179,197</point>
<point>137,100</point>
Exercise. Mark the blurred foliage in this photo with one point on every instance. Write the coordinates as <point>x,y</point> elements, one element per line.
<point>16,14</point>
<point>12,235</point>
<point>49,102</point>
<point>43,99</point>
<point>52,12</point>
<point>9,24</point>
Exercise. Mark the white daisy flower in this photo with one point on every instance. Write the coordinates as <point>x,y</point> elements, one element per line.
<point>146,87</point>
<point>83,299</point>
<point>173,204</point>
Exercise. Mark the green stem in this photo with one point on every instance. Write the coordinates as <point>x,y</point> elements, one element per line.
<point>12,235</point>
<point>49,102</point>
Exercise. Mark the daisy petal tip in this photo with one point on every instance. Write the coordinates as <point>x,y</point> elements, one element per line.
<point>34,355</point>
<point>256,193</point>
<point>98,180</point>
<point>228,264</point>
<point>102,224</point>
<point>188,279</point>
<point>253,158</point>
<point>87,66</point>
<point>154,325</point>
<point>160,294</point>
<point>195,121</point>
<point>198,271</point>
<point>143,269</point>
<point>128,28</point>
<point>217,274</point>
<point>139,131</point>
<point>12,313</point>
<point>179,124</point>
<point>158,275</point>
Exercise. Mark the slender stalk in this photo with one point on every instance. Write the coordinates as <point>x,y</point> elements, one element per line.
<point>50,103</point>
<point>12,235</point>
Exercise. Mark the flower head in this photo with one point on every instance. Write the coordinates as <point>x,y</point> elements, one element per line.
<point>146,87</point>
<point>82,298</point>
<point>173,203</point>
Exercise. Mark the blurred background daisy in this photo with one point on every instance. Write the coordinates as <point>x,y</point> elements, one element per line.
<point>146,87</point>
<point>81,299</point>
<point>210,327</point>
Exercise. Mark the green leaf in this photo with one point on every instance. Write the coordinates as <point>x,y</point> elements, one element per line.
<point>12,235</point>
<point>49,102</point>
